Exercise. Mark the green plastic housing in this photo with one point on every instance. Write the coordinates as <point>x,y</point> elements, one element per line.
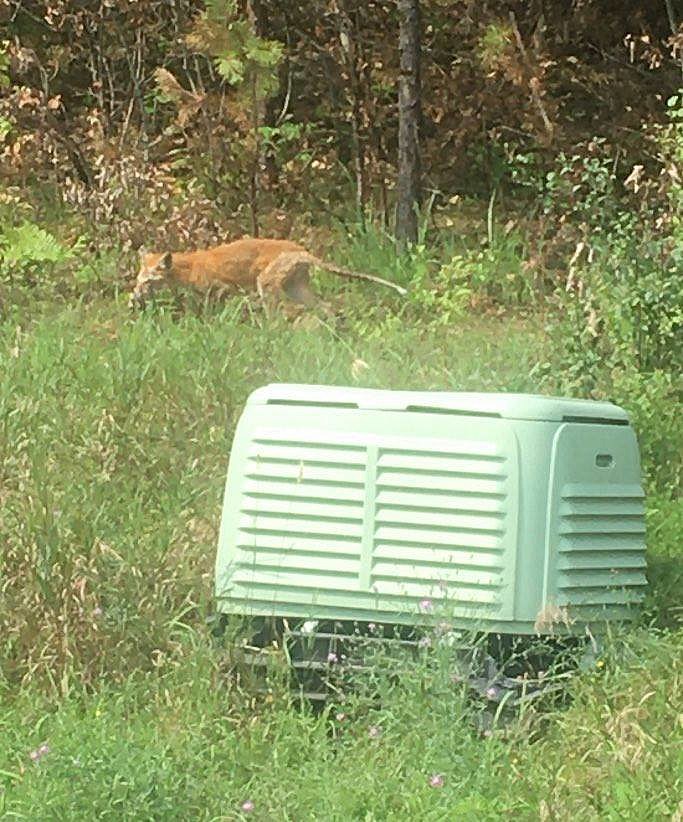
<point>508,513</point>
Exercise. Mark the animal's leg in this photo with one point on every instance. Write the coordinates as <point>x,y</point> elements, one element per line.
<point>296,285</point>
<point>269,283</point>
<point>287,278</point>
<point>267,294</point>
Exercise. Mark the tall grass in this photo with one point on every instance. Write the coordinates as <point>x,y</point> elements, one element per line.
<point>114,438</point>
<point>184,743</point>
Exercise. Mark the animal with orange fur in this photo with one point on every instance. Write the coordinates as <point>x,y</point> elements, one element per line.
<point>278,270</point>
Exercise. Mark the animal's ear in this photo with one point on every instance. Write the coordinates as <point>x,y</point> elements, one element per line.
<point>167,260</point>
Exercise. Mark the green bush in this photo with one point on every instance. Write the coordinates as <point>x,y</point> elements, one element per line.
<point>29,253</point>
<point>621,320</point>
<point>653,401</point>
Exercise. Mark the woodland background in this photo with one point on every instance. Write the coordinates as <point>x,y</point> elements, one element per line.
<point>548,259</point>
<point>182,123</point>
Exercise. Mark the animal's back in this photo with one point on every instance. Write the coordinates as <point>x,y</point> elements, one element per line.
<point>238,263</point>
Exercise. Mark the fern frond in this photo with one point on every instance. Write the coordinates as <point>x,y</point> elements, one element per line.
<point>28,243</point>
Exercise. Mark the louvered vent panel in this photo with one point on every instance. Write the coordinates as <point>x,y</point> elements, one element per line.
<point>301,517</point>
<point>601,547</point>
<point>440,526</point>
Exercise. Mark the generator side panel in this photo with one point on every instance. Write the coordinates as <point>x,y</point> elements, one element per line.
<point>370,515</point>
<point>595,547</point>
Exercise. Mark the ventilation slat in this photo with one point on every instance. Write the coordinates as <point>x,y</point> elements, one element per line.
<point>337,456</point>
<point>398,553</point>
<point>599,493</point>
<point>466,471</point>
<point>288,582</point>
<point>439,519</point>
<point>580,560</point>
<point>272,539</point>
<point>256,506</point>
<point>291,488</point>
<point>301,471</point>
<point>602,542</point>
<point>298,441</point>
<point>594,577</point>
<point>602,526</point>
<point>396,480</point>
<point>603,507</point>
<point>446,464</point>
<point>600,596</point>
<point>427,500</point>
<point>455,538</point>
<point>284,547</point>
<point>436,574</point>
<point>260,561</point>
<point>449,593</point>
<point>298,527</point>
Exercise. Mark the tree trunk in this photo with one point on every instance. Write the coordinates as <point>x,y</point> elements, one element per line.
<point>347,39</point>
<point>409,110</point>
<point>255,15</point>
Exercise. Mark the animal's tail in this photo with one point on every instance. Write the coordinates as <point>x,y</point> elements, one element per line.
<point>356,275</point>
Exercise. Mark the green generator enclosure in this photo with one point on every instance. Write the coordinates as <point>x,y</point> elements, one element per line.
<point>507,513</point>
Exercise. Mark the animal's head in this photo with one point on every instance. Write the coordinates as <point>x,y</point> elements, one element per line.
<point>154,272</point>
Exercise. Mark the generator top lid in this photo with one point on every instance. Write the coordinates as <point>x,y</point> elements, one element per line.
<point>508,406</point>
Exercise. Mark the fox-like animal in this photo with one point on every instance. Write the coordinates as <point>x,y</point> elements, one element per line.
<point>276,269</point>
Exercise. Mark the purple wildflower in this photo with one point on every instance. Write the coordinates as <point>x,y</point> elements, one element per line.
<point>247,806</point>
<point>436,780</point>
<point>426,606</point>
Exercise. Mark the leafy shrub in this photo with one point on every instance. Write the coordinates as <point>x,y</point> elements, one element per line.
<point>28,253</point>
<point>441,299</point>
<point>582,188</point>
<point>622,323</point>
<point>653,401</point>
<point>626,347</point>
<point>632,300</point>
<point>499,274</point>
